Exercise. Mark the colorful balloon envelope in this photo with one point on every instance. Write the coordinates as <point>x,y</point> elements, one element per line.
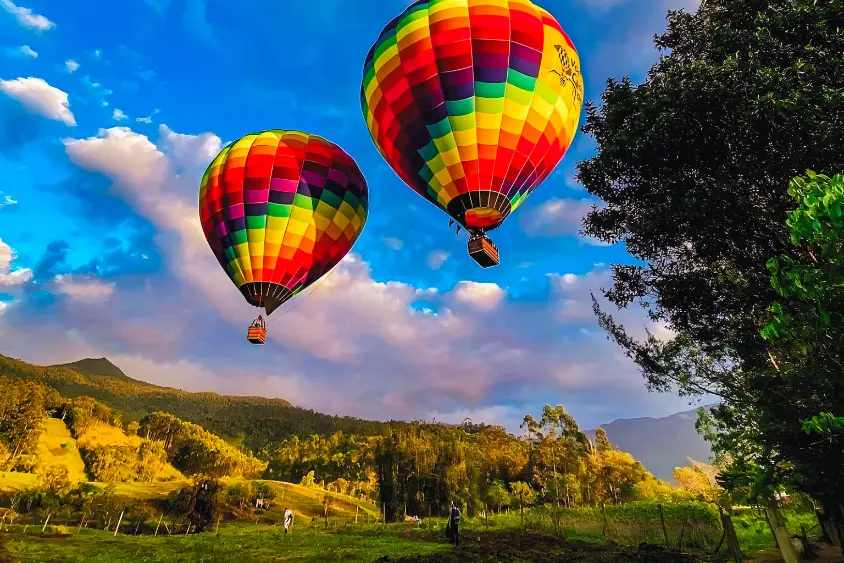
<point>473,103</point>
<point>280,209</point>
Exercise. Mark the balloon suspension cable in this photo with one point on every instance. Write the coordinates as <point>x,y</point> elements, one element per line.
<point>316,287</point>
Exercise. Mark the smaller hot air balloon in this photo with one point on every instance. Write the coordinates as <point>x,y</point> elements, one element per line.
<point>280,209</point>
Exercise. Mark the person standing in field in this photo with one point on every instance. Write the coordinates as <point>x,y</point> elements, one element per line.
<point>288,519</point>
<point>454,524</point>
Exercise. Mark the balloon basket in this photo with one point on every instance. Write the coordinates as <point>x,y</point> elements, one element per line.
<point>483,251</point>
<point>256,335</point>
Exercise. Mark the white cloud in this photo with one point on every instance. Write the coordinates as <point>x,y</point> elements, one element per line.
<point>398,362</point>
<point>568,278</point>
<point>98,53</point>
<point>25,16</point>
<point>574,304</point>
<point>118,115</point>
<point>27,50</point>
<point>84,289</point>
<point>146,120</point>
<point>6,200</point>
<point>436,259</point>
<point>39,97</point>
<point>556,217</point>
<point>480,296</point>
<point>195,151</point>
<point>71,65</point>
<point>394,243</point>
<point>9,277</point>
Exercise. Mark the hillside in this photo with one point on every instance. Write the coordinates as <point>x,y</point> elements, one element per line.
<point>661,444</point>
<point>256,422</point>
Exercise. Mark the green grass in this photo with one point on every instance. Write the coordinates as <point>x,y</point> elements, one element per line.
<point>754,534</point>
<point>234,543</point>
<point>346,541</point>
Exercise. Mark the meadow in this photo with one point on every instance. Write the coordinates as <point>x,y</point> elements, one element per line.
<point>542,534</point>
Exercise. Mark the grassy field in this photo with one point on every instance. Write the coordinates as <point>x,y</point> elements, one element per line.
<point>254,543</point>
<point>57,447</point>
<point>499,539</point>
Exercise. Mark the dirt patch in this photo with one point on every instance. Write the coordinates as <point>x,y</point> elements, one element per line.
<point>824,553</point>
<point>524,548</point>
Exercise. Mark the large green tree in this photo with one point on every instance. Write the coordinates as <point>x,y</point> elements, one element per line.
<point>693,167</point>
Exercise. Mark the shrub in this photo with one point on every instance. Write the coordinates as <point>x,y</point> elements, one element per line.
<point>198,504</point>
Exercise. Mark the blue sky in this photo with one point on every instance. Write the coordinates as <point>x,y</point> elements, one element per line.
<point>109,113</point>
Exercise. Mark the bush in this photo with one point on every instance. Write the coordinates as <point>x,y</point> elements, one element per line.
<point>262,490</point>
<point>56,479</point>
<point>198,504</point>
<point>104,506</point>
<point>238,494</point>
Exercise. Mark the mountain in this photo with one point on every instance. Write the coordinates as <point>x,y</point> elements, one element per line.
<point>661,444</point>
<point>96,366</point>
<point>256,422</point>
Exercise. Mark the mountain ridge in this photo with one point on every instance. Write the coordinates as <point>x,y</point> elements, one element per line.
<point>660,443</point>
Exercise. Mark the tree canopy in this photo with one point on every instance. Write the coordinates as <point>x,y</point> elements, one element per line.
<point>693,166</point>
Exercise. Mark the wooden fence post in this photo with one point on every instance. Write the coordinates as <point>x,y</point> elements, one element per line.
<point>119,520</point>
<point>45,522</point>
<point>159,523</point>
<point>84,516</point>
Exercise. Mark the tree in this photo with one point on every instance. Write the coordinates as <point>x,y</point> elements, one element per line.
<point>524,495</point>
<point>693,167</point>
<point>198,504</point>
<point>497,495</point>
<point>22,410</point>
<point>806,335</point>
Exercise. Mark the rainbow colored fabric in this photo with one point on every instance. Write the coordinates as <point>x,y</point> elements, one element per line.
<point>280,209</point>
<point>473,102</point>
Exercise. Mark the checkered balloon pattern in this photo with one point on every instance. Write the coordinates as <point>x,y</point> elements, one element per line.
<point>473,102</point>
<point>280,209</point>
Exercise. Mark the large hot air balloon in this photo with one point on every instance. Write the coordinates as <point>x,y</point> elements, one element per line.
<point>473,103</point>
<point>280,209</point>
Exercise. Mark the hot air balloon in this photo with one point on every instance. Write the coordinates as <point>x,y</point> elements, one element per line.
<point>280,209</point>
<point>473,103</point>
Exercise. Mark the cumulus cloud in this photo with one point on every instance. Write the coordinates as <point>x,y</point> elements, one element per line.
<point>27,51</point>
<point>556,217</point>
<point>436,259</point>
<point>118,115</point>
<point>394,243</point>
<point>146,120</point>
<point>26,17</point>
<point>85,289</point>
<point>350,344</point>
<point>71,65</point>
<point>39,97</point>
<point>8,276</point>
<point>480,296</point>
<point>574,303</point>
